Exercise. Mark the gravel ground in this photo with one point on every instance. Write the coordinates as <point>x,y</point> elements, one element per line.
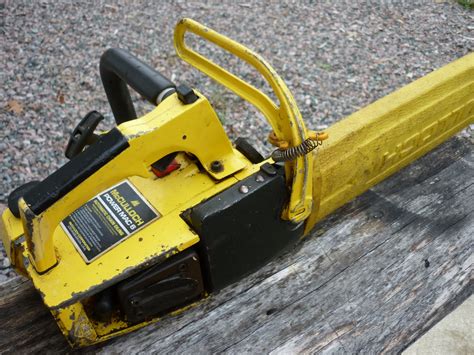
<point>336,57</point>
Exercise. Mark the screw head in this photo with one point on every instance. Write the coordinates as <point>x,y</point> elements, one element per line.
<point>216,166</point>
<point>377,214</point>
<point>244,189</point>
<point>134,302</point>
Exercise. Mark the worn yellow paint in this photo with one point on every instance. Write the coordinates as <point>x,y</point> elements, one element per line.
<point>53,258</point>
<point>382,138</point>
<point>80,330</point>
<point>11,231</point>
<point>285,119</point>
<point>169,196</point>
<point>191,128</point>
<point>361,150</point>
<point>76,325</point>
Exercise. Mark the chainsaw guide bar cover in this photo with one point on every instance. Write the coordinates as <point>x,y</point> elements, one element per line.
<point>107,219</point>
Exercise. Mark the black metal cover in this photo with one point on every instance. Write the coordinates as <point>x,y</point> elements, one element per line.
<point>240,229</point>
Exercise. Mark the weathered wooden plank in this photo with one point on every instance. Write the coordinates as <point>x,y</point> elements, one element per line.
<point>383,299</point>
<point>362,286</point>
<point>26,324</point>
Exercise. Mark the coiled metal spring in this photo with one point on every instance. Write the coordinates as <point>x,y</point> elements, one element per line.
<point>292,153</point>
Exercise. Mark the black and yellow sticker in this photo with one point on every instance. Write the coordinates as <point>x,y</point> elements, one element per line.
<point>108,219</point>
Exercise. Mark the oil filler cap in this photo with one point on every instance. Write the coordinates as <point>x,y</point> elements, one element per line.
<point>186,95</point>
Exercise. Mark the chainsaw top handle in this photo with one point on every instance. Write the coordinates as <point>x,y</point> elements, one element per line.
<point>119,68</point>
<point>285,119</point>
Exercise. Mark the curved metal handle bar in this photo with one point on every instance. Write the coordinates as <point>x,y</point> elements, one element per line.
<point>285,119</point>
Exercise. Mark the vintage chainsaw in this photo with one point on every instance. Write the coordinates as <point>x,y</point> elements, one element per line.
<point>152,216</point>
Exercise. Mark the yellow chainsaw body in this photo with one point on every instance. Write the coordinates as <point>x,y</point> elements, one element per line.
<point>362,150</point>
<point>68,271</point>
<point>68,284</point>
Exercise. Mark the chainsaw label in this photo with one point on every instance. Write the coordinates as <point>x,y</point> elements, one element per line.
<point>107,219</point>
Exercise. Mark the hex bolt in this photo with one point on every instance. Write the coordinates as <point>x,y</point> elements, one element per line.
<point>216,166</point>
<point>259,178</point>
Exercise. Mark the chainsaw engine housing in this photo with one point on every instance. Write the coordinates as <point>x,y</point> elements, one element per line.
<point>152,216</point>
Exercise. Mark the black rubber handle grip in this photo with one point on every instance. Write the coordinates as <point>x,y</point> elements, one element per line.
<point>119,68</point>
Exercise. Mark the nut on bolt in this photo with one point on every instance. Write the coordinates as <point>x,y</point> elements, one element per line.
<point>216,166</point>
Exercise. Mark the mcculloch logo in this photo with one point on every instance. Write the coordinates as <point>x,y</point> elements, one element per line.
<point>124,209</point>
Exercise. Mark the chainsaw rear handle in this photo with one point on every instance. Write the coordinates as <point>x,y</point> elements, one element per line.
<point>119,68</point>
